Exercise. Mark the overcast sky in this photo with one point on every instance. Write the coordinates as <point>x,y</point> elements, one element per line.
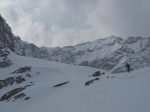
<point>68,22</point>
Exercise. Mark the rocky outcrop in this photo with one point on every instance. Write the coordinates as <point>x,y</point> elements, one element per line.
<point>60,84</point>
<point>15,44</point>
<point>23,69</point>
<point>5,63</point>
<point>87,83</point>
<point>98,73</point>
<point>19,96</point>
<point>11,94</point>
<point>6,35</point>
<point>15,94</point>
<point>10,81</point>
<point>4,60</point>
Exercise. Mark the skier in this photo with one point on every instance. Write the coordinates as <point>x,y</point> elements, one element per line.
<point>128,67</point>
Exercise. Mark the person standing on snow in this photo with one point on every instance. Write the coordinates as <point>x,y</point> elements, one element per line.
<point>128,67</point>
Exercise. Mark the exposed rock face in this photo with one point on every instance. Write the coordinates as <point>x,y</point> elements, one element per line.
<point>15,94</point>
<point>19,96</point>
<point>6,35</point>
<point>90,81</point>
<point>60,84</point>
<point>12,93</point>
<point>98,73</point>
<point>15,44</point>
<point>4,60</point>
<point>19,79</point>
<point>23,69</point>
<point>11,80</point>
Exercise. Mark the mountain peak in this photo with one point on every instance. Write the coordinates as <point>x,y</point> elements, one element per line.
<point>4,25</point>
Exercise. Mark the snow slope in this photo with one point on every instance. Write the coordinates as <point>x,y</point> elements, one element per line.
<point>121,92</point>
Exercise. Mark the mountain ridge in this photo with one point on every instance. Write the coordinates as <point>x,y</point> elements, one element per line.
<point>110,53</point>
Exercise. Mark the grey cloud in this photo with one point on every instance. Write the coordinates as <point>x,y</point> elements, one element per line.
<point>68,22</point>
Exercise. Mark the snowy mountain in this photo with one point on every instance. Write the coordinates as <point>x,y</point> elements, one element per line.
<point>30,84</point>
<point>36,85</point>
<point>110,53</point>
